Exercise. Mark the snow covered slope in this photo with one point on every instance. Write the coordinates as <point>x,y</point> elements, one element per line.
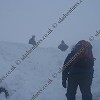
<point>33,73</point>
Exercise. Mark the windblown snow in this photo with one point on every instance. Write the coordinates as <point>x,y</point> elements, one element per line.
<point>33,73</point>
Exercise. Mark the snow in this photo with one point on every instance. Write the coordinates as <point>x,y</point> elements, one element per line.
<point>33,73</point>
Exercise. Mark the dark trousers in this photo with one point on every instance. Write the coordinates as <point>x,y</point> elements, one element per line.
<point>84,85</point>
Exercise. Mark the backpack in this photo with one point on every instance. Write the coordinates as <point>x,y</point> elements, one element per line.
<point>85,59</point>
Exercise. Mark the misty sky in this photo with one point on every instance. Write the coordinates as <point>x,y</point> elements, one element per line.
<point>20,19</point>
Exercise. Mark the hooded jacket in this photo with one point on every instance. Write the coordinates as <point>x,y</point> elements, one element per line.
<point>81,67</point>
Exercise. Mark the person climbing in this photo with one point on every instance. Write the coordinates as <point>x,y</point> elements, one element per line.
<point>32,40</point>
<point>63,46</point>
<point>79,72</point>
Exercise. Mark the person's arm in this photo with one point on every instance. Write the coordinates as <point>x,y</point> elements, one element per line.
<point>65,70</point>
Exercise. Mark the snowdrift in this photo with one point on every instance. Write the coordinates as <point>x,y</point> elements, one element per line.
<point>33,73</point>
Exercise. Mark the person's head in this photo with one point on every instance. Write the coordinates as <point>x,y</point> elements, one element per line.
<point>80,44</point>
<point>62,42</point>
<point>33,36</point>
<point>84,43</point>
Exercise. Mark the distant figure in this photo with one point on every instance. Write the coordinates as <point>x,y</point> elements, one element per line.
<point>32,40</point>
<point>79,72</point>
<point>63,46</point>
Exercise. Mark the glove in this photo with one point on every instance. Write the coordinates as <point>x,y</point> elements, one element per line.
<point>64,83</point>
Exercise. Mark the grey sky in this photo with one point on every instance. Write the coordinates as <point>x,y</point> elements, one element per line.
<point>20,19</point>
